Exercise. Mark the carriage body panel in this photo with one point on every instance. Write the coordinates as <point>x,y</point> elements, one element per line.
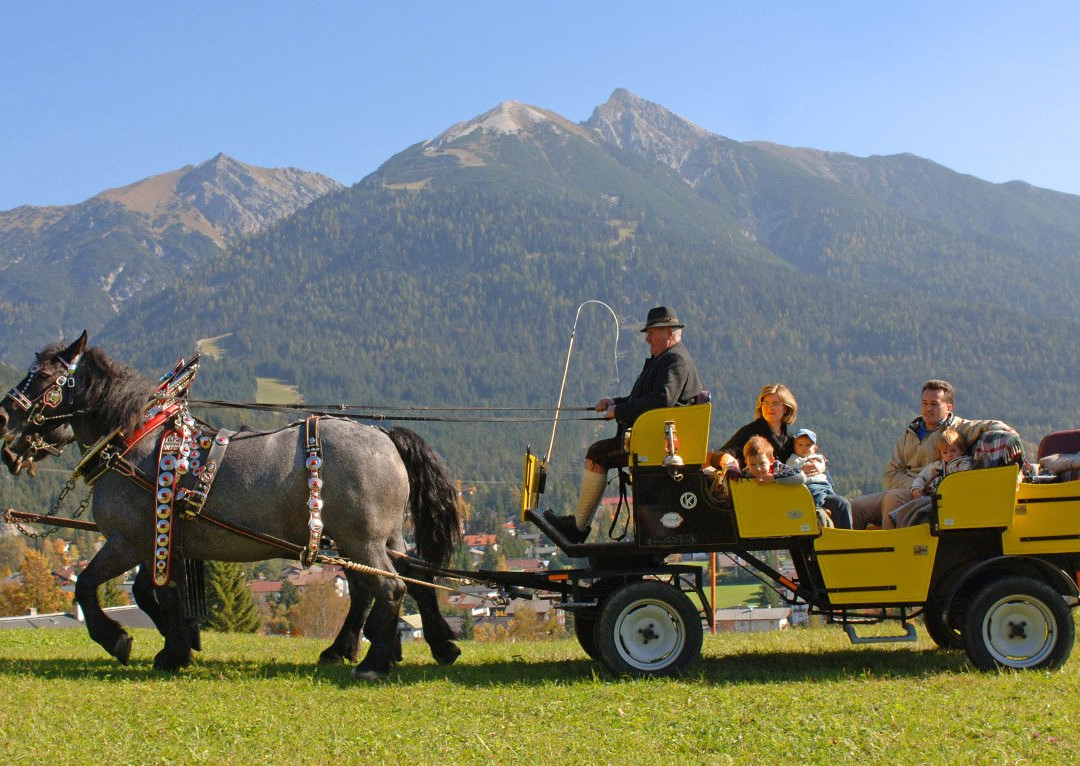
<point>1046,520</point>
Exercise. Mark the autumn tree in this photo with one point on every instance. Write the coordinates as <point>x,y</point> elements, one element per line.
<point>39,586</point>
<point>320,611</point>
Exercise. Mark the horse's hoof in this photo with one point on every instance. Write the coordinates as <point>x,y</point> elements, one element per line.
<point>167,663</point>
<point>331,658</point>
<point>368,675</point>
<point>121,649</point>
<point>446,653</point>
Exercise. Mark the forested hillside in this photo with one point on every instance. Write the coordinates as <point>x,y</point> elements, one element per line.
<point>74,267</point>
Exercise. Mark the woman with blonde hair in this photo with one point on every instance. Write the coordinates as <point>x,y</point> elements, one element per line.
<point>776,409</point>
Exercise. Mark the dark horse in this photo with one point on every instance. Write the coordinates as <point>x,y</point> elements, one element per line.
<point>371,478</point>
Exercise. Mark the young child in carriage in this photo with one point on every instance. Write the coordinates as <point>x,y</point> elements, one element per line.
<point>952,458</point>
<point>806,458</point>
<point>763,467</point>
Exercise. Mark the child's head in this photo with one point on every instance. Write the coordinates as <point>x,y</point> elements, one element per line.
<point>951,445</point>
<point>805,442</point>
<point>758,454</point>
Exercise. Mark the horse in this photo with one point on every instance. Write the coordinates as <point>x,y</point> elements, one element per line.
<point>371,479</point>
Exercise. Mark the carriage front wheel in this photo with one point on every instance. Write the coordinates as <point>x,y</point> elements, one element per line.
<point>1018,622</point>
<point>648,628</point>
<point>585,630</point>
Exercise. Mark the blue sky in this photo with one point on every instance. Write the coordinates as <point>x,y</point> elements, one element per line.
<point>97,95</point>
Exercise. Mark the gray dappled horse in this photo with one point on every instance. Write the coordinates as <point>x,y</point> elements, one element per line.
<point>371,477</point>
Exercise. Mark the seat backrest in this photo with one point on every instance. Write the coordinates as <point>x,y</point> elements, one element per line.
<point>647,435</point>
<point>1060,442</point>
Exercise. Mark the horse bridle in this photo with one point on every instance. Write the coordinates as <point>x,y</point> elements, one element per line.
<point>51,397</point>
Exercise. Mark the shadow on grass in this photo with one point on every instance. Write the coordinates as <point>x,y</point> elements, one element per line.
<point>735,668</point>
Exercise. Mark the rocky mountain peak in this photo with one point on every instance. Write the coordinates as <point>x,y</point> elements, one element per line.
<point>222,197</point>
<point>508,118</point>
<point>642,127</point>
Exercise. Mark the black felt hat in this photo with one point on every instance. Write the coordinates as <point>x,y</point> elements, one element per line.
<point>662,316</point>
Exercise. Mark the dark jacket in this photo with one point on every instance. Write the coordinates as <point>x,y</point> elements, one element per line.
<point>783,445</point>
<point>667,380</point>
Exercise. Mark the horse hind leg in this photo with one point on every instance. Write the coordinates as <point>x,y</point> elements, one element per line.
<point>381,625</point>
<point>437,633</point>
<point>114,558</point>
<point>346,646</point>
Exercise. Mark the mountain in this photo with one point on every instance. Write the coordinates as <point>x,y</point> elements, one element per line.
<point>870,221</point>
<point>453,275</point>
<point>68,267</point>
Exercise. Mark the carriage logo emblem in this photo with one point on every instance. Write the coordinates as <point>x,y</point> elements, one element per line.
<point>688,500</point>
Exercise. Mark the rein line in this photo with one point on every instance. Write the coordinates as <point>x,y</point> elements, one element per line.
<point>346,410</point>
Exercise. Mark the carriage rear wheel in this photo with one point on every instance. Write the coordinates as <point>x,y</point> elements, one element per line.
<point>1018,622</point>
<point>648,628</point>
<point>943,631</point>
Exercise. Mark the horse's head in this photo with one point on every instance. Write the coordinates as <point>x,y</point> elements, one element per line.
<point>35,415</point>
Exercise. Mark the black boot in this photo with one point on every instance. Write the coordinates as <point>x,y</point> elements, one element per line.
<point>567,527</point>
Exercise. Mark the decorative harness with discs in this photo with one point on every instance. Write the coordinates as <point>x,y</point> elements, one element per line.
<point>315,483</point>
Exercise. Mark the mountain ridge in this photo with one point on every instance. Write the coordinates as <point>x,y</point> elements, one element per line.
<point>89,259</point>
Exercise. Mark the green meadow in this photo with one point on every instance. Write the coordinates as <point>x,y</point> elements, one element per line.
<point>792,697</point>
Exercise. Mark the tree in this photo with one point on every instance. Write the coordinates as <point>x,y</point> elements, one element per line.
<point>111,594</point>
<point>319,613</point>
<point>767,596</point>
<point>230,605</point>
<point>288,596</point>
<point>39,586</point>
<point>12,600</point>
<point>13,550</point>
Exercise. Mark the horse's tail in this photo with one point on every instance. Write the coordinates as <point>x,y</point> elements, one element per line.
<point>432,497</point>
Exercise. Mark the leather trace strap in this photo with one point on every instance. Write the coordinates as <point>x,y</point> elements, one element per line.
<point>313,463</point>
<point>194,498</point>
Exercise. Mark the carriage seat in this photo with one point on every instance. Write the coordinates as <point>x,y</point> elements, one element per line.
<point>1060,442</point>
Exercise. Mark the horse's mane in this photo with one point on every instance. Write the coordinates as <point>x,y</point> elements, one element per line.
<point>114,391</point>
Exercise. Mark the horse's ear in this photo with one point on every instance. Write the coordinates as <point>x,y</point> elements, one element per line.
<point>76,348</point>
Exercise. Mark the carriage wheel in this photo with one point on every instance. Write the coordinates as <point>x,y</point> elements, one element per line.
<point>585,630</point>
<point>648,628</point>
<point>943,632</point>
<point>1018,622</point>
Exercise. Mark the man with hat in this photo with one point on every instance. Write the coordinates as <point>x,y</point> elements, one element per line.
<point>668,379</point>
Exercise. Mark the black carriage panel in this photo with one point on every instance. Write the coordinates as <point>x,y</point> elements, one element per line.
<point>675,508</point>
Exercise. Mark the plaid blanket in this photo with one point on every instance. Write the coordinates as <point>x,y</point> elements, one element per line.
<point>995,448</point>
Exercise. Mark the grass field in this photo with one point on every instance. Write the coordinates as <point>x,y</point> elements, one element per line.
<point>794,697</point>
<point>274,391</point>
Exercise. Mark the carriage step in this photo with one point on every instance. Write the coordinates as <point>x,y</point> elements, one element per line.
<point>855,638</point>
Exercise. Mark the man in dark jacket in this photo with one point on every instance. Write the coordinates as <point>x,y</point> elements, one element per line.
<point>668,379</point>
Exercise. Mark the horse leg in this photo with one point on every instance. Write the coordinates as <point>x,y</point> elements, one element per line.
<point>347,644</point>
<point>142,590</point>
<point>114,558</point>
<point>146,598</point>
<point>381,625</point>
<point>176,628</point>
<point>437,632</point>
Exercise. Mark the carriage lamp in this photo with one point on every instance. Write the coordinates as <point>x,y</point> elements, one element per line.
<point>671,444</point>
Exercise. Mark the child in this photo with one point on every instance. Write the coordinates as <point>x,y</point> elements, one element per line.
<point>812,463</point>
<point>952,458</point>
<point>762,465</point>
